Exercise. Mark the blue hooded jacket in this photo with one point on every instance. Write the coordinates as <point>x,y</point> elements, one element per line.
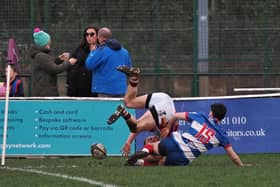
<point>103,61</point>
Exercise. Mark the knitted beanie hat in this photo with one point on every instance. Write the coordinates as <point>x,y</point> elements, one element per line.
<point>41,38</point>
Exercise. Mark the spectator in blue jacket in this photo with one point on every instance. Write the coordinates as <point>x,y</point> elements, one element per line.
<point>106,80</point>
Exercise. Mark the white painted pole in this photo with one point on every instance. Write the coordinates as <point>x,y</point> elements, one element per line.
<point>6,115</point>
<point>255,89</point>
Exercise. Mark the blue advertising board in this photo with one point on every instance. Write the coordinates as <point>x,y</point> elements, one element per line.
<point>68,127</point>
<point>252,124</point>
<point>61,127</point>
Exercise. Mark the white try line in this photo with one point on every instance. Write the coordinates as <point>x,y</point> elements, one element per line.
<point>80,179</point>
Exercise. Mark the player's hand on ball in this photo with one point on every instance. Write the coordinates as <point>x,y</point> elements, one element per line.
<point>126,150</point>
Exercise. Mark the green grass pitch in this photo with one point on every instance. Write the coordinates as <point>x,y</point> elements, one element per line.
<point>207,170</point>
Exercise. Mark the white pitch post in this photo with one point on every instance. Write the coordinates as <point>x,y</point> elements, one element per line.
<point>6,115</point>
<point>256,89</point>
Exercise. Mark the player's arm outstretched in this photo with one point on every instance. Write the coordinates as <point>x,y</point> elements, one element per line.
<point>126,146</point>
<point>233,156</point>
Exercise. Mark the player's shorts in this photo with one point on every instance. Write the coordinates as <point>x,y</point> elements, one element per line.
<point>174,155</point>
<point>161,106</point>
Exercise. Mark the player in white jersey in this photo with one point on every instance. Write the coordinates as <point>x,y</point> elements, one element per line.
<point>182,147</point>
<point>161,108</point>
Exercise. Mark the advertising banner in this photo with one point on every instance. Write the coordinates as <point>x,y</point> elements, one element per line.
<point>68,127</point>
<point>61,127</point>
<point>252,124</point>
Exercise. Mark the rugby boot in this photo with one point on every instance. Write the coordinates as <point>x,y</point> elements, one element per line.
<point>119,112</point>
<point>129,71</point>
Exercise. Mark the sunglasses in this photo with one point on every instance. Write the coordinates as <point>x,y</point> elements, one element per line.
<point>89,34</point>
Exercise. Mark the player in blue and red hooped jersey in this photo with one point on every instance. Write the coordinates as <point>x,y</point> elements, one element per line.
<point>182,147</point>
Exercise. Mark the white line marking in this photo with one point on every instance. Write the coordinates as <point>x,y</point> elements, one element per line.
<point>80,179</point>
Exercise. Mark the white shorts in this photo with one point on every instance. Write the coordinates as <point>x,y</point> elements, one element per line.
<point>161,106</point>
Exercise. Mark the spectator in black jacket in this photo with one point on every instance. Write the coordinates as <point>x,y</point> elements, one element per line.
<point>78,77</point>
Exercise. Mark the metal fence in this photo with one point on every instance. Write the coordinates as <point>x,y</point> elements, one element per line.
<point>180,50</point>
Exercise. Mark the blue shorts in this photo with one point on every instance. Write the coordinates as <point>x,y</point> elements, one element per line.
<point>174,155</point>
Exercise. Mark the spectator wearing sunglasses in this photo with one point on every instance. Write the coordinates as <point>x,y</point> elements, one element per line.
<point>106,80</point>
<point>78,81</point>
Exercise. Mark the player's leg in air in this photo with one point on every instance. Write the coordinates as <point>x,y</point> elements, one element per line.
<point>160,107</point>
<point>130,99</point>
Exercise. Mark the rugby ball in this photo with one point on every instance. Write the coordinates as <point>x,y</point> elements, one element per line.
<point>98,151</point>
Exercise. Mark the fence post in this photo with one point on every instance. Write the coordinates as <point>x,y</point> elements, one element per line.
<point>267,60</point>
<point>156,36</point>
<point>203,46</point>
<point>195,81</point>
<point>46,13</point>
